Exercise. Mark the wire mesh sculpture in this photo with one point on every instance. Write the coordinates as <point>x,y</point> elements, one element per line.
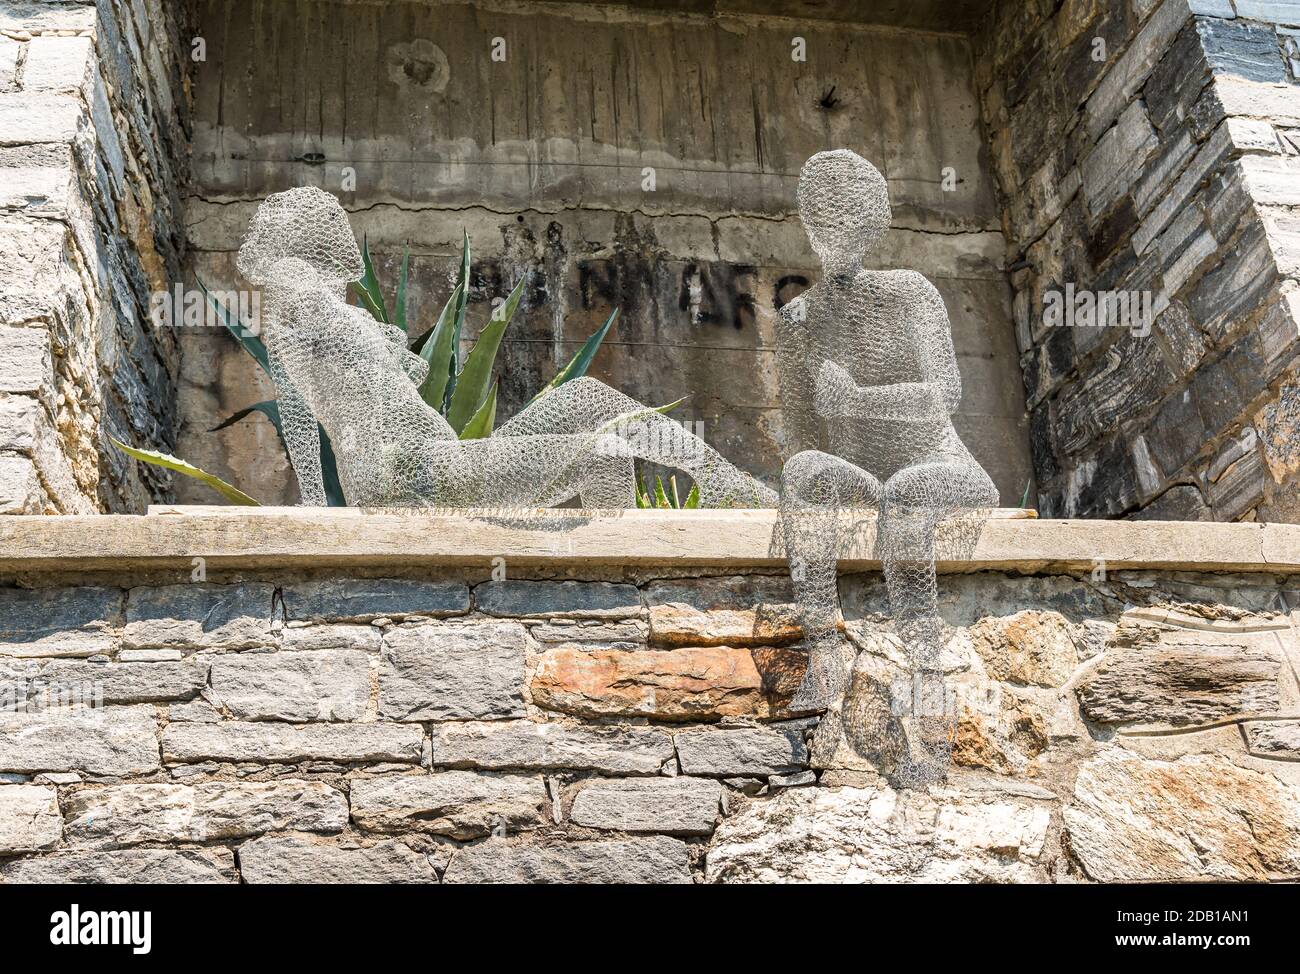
<point>335,364</point>
<point>869,382</point>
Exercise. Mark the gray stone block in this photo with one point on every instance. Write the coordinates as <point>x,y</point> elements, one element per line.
<point>524,745</point>
<point>29,818</point>
<point>200,615</point>
<point>453,672</point>
<point>111,741</point>
<point>577,600</point>
<point>672,806</point>
<point>293,686</point>
<point>78,621</point>
<point>285,744</point>
<point>459,804</point>
<point>656,859</point>
<point>134,866</point>
<point>364,599</point>
<point>290,859</point>
<point>742,751</point>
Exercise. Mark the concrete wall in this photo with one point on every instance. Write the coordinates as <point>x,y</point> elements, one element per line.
<point>540,158</point>
<point>93,143</point>
<point>1147,146</point>
<point>420,723</point>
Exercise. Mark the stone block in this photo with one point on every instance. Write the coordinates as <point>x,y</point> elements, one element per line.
<point>200,615</point>
<point>364,638</point>
<point>1273,739</point>
<point>57,64</point>
<point>365,599</point>
<point>286,744</point>
<point>291,859</point>
<point>672,806</point>
<point>1197,819</point>
<point>459,804</point>
<point>574,600</point>
<point>1165,675</point>
<point>111,741</point>
<point>528,746</point>
<point>742,751</point>
<point>656,859</point>
<point>703,683</point>
<point>128,683</point>
<point>293,686</point>
<point>27,119</point>
<point>75,621</point>
<point>128,866</point>
<point>453,672</point>
<point>595,634</point>
<point>29,819</point>
<point>215,811</point>
<point>746,610</point>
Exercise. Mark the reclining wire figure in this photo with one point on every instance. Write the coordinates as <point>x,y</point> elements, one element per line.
<point>335,364</point>
<point>869,382</point>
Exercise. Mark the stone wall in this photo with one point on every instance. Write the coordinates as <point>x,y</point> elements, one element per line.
<point>1149,146</point>
<point>93,140</point>
<point>634,726</point>
<point>541,157</point>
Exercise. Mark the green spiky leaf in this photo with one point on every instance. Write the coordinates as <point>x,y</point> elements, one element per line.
<point>474,381</point>
<point>436,349</point>
<point>661,498</point>
<point>480,424</point>
<point>403,279</point>
<point>168,462</point>
<point>581,361</point>
<point>368,292</point>
<point>692,499</point>
<point>243,334</point>
<point>269,408</point>
<point>458,323</point>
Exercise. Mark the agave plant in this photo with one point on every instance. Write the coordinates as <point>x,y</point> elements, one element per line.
<point>658,497</point>
<point>463,391</point>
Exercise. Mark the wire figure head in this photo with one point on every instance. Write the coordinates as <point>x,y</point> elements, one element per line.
<point>844,205</point>
<point>304,223</point>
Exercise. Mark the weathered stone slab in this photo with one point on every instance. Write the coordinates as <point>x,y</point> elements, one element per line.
<point>703,683</point>
<point>544,599</point>
<point>293,686</point>
<point>672,806</point>
<point>741,751</point>
<point>1273,739</point>
<point>125,815</point>
<point>59,621</point>
<point>111,741</point>
<point>746,610</point>
<point>364,638</point>
<point>29,818</point>
<point>1154,677</point>
<point>623,634</point>
<point>650,860</point>
<point>199,615</point>
<point>288,859</point>
<point>136,866</point>
<point>287,744</point>
<point>364,599</point>
<point>524,745</point>
<point>875,834</point>
<point>1035,648</point>
<point>460,804</point>
<point>453,672</point>
<point>1199,818</point>
<point>127,683</point>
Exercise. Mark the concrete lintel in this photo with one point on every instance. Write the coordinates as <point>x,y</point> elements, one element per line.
<point>227,537</point>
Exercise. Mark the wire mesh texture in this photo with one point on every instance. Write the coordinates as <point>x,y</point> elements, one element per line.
<point>869,382</point>
<point>335,364</point>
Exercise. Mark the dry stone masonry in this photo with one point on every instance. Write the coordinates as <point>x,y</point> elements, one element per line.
<point>94,142</point>
<point>434,726</point>
<point>1149,148</point>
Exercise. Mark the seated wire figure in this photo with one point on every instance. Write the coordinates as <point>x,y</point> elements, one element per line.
<point>869,382</point>
<point>335,364</point>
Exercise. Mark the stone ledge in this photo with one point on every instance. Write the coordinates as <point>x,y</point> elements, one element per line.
<point>292,537</point>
